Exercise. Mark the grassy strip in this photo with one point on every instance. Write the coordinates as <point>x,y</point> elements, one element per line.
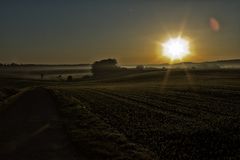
<point>7,92</point>
<point>8,96</point>
<point>93,137</point>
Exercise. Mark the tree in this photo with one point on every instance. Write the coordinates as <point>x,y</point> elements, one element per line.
<point>140,67</point>
<point>103,67</point>
<point>69,78</point>
<point>13,64</point>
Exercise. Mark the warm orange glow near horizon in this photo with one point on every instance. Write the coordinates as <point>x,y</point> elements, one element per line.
<point>176,48</point>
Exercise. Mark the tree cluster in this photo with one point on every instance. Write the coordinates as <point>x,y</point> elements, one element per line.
<point>105,67</point>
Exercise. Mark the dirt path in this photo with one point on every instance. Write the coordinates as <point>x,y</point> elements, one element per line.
<point>30,130</point>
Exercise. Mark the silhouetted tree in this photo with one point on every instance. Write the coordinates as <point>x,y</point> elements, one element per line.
<point>140,67</point>
<point>69,78</point>
<point>103,67</point>
<point>42,75</point>
<point>13,64</point>
<point>164,68</point>
<point>59,77</point>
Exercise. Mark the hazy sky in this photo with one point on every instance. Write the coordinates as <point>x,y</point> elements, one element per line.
<point>75,31</point>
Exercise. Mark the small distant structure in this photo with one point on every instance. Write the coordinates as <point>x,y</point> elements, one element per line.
<point>59,77</point>
<point>42,75</point>
<point>69,78</point>
<point>164,68</point>
<point>140,67</point>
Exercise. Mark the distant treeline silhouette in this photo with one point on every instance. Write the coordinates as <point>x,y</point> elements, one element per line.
<point>41,65</point>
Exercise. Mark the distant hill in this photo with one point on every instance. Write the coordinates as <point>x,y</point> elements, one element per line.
<point>220,64</point>
<point>42,65</point>
<point>227,61</point>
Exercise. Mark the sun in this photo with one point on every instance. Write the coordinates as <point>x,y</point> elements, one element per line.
<point>176,48</point>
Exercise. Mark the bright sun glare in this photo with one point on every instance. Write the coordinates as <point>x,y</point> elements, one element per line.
<point>176,48</point>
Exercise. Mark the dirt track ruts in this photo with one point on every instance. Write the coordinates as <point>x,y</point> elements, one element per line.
<point>30,129</point>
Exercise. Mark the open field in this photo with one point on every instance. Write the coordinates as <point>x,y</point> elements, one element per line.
<point>172,114</point>
<point>50,72</point>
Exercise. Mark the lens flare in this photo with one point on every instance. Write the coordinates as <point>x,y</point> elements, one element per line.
<point>214,24</point>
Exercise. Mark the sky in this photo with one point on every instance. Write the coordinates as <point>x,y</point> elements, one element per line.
<point>83,31</point>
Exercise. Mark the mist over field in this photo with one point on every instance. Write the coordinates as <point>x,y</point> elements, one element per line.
<point>52,72</point>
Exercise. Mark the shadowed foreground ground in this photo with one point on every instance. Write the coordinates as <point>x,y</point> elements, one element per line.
<point>30,129</point>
